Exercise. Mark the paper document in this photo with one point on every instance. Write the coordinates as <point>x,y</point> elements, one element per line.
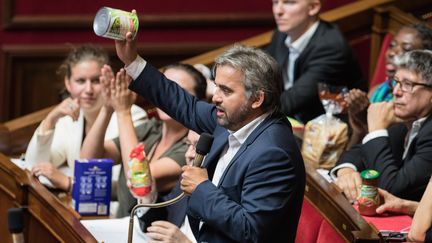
<point>23,165</point>
<point>114,230</point>
<point>325,173</point>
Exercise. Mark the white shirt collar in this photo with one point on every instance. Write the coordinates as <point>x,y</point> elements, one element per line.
<point>300,44</point>
<point>243,133</point>
<point>418,123</point>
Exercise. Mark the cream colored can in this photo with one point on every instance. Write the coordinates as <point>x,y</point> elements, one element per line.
<point>115,23</point>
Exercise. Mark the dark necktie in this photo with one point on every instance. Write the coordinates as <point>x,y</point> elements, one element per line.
<point>194,224</point>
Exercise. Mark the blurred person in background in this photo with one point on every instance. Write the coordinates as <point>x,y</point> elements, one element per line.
<point>310,50</point>
<point>409,37</point>
<point>163,138</point>
<point>57,142</point>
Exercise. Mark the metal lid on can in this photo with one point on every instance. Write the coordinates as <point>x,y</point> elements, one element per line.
<point>369,174</point>
<point>101,21</point>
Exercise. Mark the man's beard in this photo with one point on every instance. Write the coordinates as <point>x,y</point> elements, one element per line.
<point>235,120</point>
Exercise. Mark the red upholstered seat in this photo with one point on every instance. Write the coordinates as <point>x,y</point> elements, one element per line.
<point>313,228</point>
<point>379,75</point>
<point>328,234</point>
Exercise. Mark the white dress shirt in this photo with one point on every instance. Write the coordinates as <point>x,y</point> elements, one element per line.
<point>235,141</point>
<point>295,48</point>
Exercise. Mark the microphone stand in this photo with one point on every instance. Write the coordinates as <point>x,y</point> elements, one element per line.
<point>150,205</point>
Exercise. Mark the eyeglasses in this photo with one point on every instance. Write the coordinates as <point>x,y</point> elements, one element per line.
<point>406,85</point>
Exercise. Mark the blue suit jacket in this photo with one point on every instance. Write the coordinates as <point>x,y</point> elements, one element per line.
<point>260,194</point>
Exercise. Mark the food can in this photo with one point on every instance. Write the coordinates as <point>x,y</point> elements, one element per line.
<point>369,198</point>
<point>115,23</point>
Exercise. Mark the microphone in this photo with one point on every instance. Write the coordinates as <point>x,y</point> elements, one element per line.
<point>202,148</point>
<point>16,224</point>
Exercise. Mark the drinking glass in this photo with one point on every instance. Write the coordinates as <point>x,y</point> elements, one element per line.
<point>333,98</point>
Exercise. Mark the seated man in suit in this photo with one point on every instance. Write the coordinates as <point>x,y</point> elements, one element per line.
<point>399,142</point>
<point>309,51</point>
<point>251,185</point>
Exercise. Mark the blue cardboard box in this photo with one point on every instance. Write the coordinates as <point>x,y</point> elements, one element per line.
<point>91,190</point>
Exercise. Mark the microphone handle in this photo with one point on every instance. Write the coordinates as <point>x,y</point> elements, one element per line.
<point>198,160</point>
<point>18,238</point>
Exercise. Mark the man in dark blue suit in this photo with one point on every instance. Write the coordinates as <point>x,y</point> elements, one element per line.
<point>251,186</point>
<point>309,51</point>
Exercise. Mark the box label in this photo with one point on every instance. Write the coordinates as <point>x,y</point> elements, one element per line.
<point>91,191</point>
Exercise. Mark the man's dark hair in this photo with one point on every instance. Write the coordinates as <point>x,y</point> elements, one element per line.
<point>260,72</point>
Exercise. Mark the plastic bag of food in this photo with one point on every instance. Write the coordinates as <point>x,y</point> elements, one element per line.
<point>324,140</point>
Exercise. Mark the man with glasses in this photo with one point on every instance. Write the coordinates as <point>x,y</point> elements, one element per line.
<point>399,142</point>
<point>406,85</point>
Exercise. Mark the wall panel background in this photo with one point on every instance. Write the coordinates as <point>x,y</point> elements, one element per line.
<point>36,35</point>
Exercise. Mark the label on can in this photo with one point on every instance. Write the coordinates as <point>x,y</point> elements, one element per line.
<point>368,201</point>
<point>115,23</point>
<point>140,177</point>
<point>369,198</point>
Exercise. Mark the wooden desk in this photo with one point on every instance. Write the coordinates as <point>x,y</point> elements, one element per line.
<point>336,209</point>
<point>46,218</point>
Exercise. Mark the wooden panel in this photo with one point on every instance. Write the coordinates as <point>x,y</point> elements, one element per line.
<point>146,21</point>
<point>4,139</point>
<point>336,209</point>
<point>29,70</point>
<point>389,19</point>
<point>12,21</point>
<point>33,85</point>
<point>5,204</point>
<point>12,193</point>
<point>157,54</point>
<point>15,134</point>
<point>31,82</point>
<point>354,19</point>
<point>46,218</point>
<point>58,221</point>
<point>12,181</point>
